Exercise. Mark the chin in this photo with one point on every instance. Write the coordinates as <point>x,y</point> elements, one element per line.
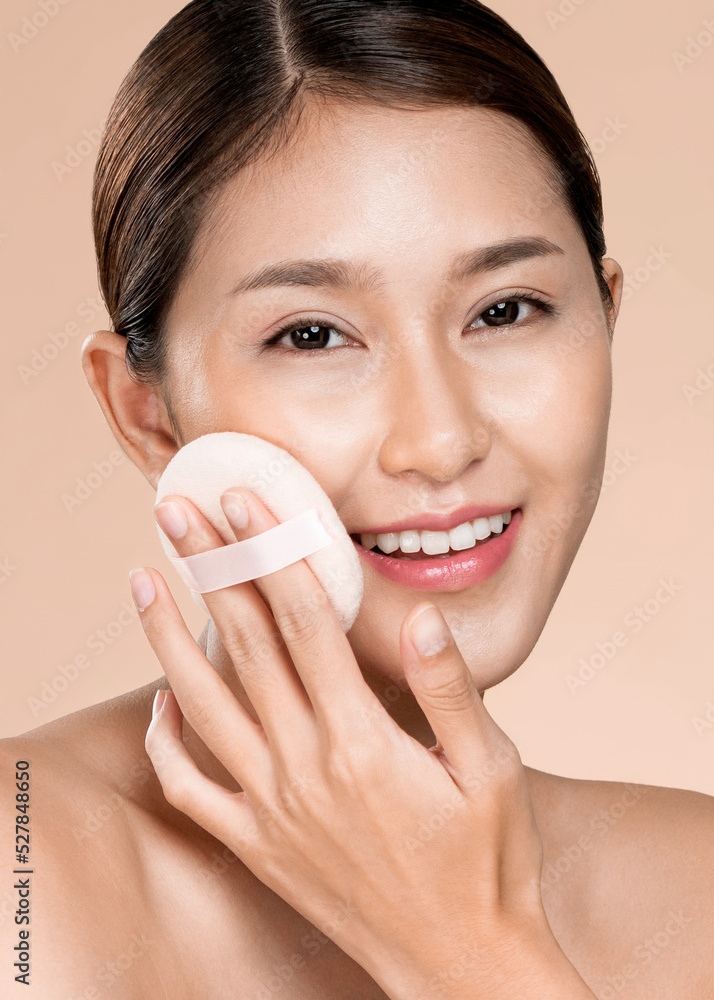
<point>494,637</point>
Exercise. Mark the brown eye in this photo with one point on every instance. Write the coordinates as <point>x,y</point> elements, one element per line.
<point>312,336</point>
<point>309,337</point>
<point>503,313</point>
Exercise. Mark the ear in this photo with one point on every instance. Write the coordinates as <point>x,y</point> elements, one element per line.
<point>136,413</point>
<point>615,281</point>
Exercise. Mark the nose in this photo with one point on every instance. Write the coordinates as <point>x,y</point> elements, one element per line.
<point>435,426</point>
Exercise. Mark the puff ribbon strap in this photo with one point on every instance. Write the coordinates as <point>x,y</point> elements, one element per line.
<point>271,550</point>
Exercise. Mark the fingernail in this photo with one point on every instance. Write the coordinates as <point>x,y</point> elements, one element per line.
<point>142,588</point>
<point>236,509</point>
<point>159,699</point>
<point>172,519</point>
<point>429,632</point>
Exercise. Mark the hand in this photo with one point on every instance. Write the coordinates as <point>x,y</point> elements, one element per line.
<point>409,858</point>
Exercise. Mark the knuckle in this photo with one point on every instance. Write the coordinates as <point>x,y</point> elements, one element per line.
<point>248,648</point>
<point>298,625</point>
<point>288,800</point>
<point>452,692</point>
<point>159,747</point>
<point>498,776</point>
<point>345,767</point>
<point>510,766</point>
<point>506,777</point>
<point>303,784</point>
<point>177,795</point>
<point>294,793</point>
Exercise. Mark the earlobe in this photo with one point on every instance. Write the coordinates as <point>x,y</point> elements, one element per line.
<point>615,280</point>
<point>135,412</point>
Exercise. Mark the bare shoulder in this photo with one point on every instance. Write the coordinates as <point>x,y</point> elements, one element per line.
<point>631,866</point>
<point>71,792</point>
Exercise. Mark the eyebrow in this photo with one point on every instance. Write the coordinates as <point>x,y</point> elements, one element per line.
<point>345,274</point>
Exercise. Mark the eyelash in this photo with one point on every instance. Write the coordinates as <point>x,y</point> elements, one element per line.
<point>272,342</point>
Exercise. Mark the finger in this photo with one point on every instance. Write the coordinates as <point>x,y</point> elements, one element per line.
<point>207,702</point>
<point>223,813</point>
<point>317,645</point>
<point>443,686</point>
<point>248,632</point>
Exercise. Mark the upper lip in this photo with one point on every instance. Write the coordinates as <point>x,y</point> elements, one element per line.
<point>438,521</point>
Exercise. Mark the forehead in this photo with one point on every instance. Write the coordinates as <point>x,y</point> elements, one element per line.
<point>370,182</point>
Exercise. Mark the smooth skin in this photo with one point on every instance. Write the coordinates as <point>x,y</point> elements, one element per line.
<point>416,404</point>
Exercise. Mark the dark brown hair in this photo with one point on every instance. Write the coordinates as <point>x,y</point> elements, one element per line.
<point>224,80</point>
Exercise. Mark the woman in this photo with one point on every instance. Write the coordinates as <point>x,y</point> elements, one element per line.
<point>397,190</point>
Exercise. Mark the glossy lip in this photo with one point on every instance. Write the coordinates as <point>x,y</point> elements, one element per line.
<point>457,572</point>
<point>441,521</point>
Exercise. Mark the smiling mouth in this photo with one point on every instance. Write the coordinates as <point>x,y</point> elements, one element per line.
<point>398,553</point>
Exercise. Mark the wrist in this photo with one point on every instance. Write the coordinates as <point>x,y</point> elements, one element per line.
<point>510,969</point>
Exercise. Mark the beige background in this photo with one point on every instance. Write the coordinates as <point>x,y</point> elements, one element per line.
<point>70,638</point>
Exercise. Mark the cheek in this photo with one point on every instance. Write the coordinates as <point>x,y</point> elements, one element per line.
<point>552,408</point>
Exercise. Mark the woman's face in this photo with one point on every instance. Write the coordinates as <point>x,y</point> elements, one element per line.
<point>416,400</point>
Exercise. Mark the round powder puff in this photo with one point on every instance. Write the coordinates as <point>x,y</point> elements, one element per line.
<point>207,466</point>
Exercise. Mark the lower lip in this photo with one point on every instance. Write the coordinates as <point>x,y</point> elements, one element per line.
<point>463,569</point>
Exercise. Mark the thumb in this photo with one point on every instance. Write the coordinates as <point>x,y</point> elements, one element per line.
<point>444,688</point>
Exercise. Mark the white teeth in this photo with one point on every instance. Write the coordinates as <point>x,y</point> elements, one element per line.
<point>462,536</point>
<point>433,543</point>
<point>388,543</point>
<point>409,541</point>
<point>482,528</point>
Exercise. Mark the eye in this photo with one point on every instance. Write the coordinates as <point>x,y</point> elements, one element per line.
<point>309,334</point>
<point>306,335</point>
<point>506,312</point>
